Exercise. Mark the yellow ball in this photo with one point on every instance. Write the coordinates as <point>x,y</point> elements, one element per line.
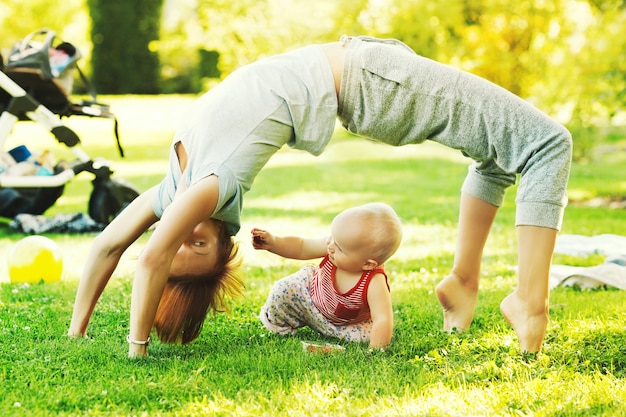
<point>35,259</point>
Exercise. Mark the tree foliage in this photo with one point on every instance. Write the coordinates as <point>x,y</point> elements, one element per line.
<point>68,19</point>
<point>121,32</point>
<point>566,56</point>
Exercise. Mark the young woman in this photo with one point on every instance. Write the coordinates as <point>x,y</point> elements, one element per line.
<point>378,89</point>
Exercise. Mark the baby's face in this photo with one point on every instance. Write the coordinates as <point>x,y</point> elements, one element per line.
<point>349,248</point>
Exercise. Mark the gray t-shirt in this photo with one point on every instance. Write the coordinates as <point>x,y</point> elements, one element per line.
<point>237,126</point>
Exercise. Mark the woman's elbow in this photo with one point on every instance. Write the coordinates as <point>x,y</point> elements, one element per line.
<point>153,260</point>
<point>106,244</point>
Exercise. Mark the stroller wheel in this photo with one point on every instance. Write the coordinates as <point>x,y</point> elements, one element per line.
<point>108,198</point>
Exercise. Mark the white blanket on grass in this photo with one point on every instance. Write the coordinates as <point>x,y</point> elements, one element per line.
<point>611,273</point>
<point>579,245</point>
<point>590,277</point>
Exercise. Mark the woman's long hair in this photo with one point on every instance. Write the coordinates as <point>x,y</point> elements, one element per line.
<point>186,300</point>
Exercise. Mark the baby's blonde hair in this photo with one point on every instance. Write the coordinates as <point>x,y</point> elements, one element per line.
<point>386,229</point>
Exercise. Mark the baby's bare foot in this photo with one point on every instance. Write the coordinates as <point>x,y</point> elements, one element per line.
<point>458,301</point>
<point>530,327</point>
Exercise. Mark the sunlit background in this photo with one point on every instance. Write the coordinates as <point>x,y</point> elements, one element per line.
<point>566,56</point>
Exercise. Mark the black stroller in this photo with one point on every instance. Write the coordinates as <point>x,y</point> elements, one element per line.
<point>34,85</point>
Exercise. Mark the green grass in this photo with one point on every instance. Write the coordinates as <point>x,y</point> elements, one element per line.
<point>236,368</point>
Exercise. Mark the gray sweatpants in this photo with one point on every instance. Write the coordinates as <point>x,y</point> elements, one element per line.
<point>390,94</point>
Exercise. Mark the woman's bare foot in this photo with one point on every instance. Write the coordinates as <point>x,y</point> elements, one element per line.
<point>458,300</point>
<point>529,326</point>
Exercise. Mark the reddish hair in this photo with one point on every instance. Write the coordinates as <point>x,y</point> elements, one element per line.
<point>186,300</point>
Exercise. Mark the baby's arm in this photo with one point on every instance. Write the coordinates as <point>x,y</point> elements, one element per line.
<point>293,247</point>
<point>379,300</point>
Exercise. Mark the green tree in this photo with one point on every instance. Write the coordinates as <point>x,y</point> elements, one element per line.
<point>565,56</point>
<point>586,82</point>
<point>430,28</point>
<point>68,19</point>
<point>122,33</point>
<point>246,30</point>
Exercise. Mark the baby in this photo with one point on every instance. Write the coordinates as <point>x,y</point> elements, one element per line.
<point>347,294</point>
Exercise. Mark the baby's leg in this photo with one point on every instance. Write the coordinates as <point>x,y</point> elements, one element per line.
<point>526,309</point>
<point>289,306</point>
<point>357,332</point>
<point>458,291</point>
<point>288,302</point>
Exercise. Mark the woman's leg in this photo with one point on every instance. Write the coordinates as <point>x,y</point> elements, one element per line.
<point>526,309</point>
<point>458,291</point>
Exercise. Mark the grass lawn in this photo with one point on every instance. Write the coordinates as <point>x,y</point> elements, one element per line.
<point>236,368</point>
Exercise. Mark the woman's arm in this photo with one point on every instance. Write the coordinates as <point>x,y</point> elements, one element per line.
<point>190,207</point>
<point>104,255</point>
<point>379,300</point>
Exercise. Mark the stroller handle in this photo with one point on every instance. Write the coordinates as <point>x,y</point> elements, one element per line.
<point>50,34</point>
<point>30,181</point>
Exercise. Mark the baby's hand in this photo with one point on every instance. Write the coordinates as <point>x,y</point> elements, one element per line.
<point>260,238</point>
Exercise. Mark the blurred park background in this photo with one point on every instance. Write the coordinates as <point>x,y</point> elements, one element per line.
<point>151,58</point>
<point>568,57</point>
